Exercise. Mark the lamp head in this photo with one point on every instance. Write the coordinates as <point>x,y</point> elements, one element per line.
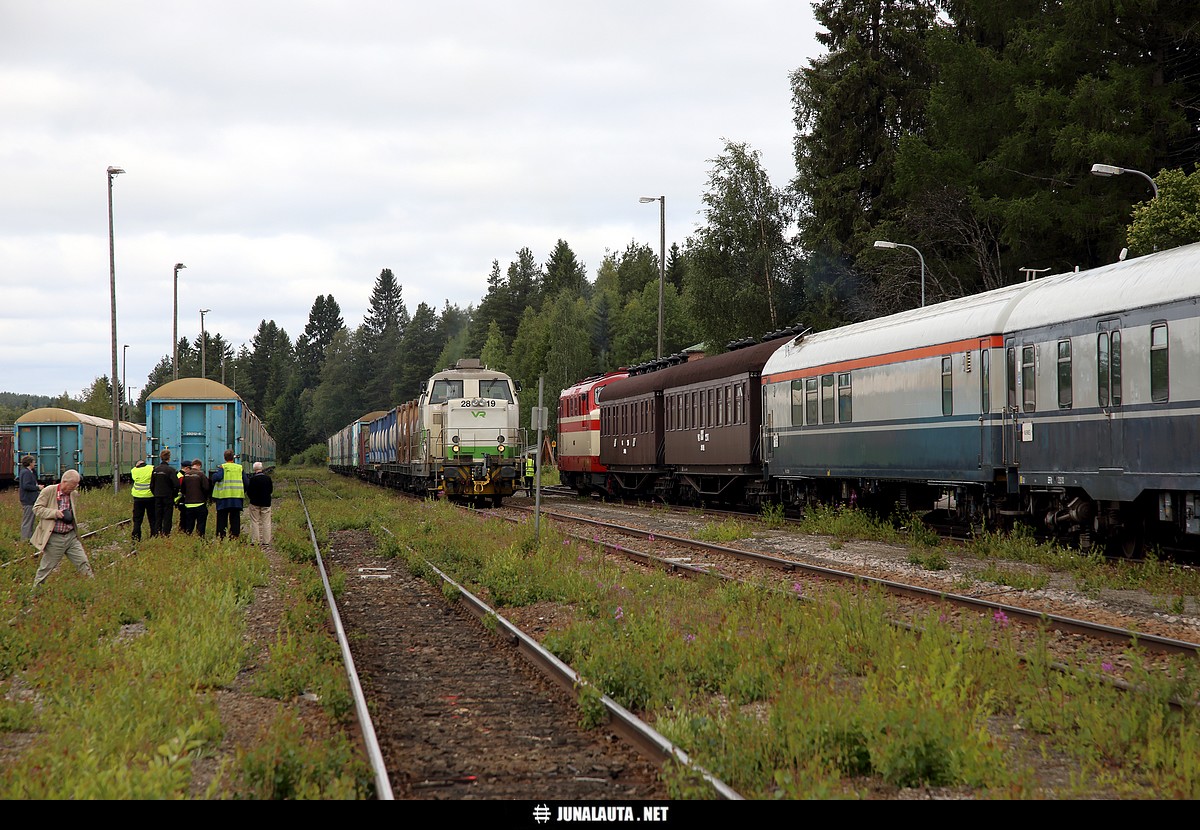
<point>646,199</point>
<point>179,266</point>
<point>880,243</point>
<point>1106,170</point>
<point>115,171</point>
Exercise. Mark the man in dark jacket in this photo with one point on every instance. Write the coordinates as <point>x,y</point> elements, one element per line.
<point>164,485</point>
<point>194,489</point>
<point>258,493</point>
<point>29,488</point>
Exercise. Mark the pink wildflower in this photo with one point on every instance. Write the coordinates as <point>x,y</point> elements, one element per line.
<point>1001,618</point>
<point>1106,666</point>
<point>620,615</point>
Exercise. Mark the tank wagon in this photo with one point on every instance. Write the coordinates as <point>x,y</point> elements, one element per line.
<point>348,446</point>
<point>459,439</point>
<point>578,441</point>
<point>63,440</point>
<point>201,418</point>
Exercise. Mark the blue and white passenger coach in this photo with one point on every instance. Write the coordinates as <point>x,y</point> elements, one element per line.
<point>1070,400</point>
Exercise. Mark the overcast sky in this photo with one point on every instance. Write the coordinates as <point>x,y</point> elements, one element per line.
<point>283,150</point>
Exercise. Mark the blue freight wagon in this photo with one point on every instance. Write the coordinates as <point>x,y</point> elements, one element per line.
<point>63,440</point>
<point>200,418</point>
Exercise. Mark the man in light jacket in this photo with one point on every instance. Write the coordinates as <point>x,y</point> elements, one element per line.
<point>56,534</point>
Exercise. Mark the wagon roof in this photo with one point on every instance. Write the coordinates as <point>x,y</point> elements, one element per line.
<point>57,415</point>
<point>738,362</point>
<point>1109,289</point>
<point>193,389</point>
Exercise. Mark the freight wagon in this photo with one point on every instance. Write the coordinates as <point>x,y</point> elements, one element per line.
<point>63,440</point>
<point>348,446</point>
<point>200,418</point>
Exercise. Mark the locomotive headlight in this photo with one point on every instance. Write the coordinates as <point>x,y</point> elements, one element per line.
<point>454,440</point>
<point>500,448</point>
<point>500,440</point>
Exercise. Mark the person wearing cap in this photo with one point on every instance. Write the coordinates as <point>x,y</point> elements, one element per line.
<point>258,493</point>
<point>143,499</point>
<point>56,535</point>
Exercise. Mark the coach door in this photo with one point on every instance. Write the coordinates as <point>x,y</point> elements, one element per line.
<point>1111,450</point>
<point>191,435</point>
<point>1010,441</point>
<point>986,447</point>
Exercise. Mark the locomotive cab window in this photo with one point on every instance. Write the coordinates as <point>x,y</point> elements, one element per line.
<point>498,389</point>
<point>1160,386</point>
<point>1064,374</point>
<point>444,390</point>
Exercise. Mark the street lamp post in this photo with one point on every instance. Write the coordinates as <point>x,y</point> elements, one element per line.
<point>1106,170</point>
<point>879,243</point>
<point>124,358</point>
<point>203,341</point>
<point>662,257</point>
<point>175,329</point>
<point>112,289</point>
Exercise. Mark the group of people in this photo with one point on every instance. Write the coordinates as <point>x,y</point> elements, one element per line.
<point>49,521</point>
<point>159,490</point>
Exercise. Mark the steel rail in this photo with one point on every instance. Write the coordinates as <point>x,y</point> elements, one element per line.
<point>630,727</point>
<point>383,785</point>
<point>1162,645</point>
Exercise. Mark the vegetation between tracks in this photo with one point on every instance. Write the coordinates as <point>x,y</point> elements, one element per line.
<point>110,687</point>
<point>783,698</point>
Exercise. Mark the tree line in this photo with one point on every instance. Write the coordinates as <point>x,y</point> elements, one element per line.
<point>963,128</point>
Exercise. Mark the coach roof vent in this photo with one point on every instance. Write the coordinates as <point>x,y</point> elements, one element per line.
<point>468,363</point>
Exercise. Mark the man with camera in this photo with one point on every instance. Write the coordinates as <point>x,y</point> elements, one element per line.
<point>56,534</point>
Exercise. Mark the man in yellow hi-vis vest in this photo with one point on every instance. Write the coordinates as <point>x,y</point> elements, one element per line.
<point>529,474</point>
<point>229,492</point>
<point>143,499</point>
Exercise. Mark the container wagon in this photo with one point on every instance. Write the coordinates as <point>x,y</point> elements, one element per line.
<point>348,446</point>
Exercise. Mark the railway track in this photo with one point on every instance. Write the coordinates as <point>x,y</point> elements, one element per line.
<point>459,710</point>
<point>1082,637</point>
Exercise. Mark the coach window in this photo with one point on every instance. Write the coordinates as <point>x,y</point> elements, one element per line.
<point>1028,380</point>
<point>797,403</point>
<point>845,403</point>
<point>827,399</point>
<point>810,401</point>
<point>947,386</point>
<point>985,379</point>
<point>1010,368</point>
<point>1160,386</point>
<point>1064,374</point>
